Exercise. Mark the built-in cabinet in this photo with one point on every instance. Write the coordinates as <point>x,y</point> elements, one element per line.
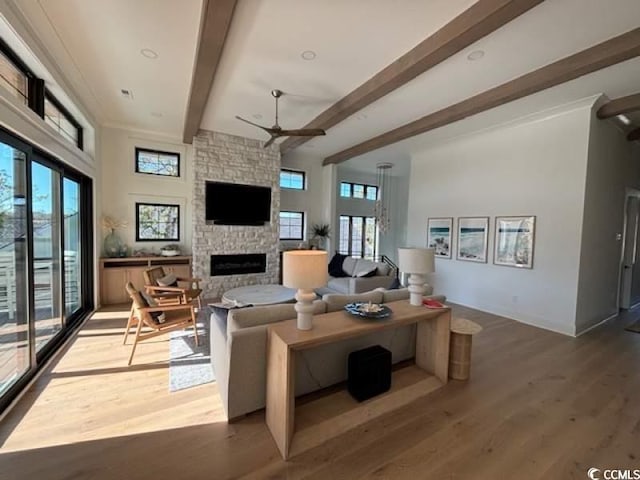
<point>116,272</point>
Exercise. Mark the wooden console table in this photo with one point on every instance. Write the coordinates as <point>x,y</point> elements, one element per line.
<point>294,434</point>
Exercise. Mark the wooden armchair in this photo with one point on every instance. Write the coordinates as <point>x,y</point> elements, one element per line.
<point>187,293</point>
<point>176,317</point>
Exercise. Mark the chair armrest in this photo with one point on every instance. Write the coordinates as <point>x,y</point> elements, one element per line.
<point>188,279</point>
<point>152,288</point>
<point>166,308</point>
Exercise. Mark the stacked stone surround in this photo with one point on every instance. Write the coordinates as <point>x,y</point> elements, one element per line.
<point>228,158</point>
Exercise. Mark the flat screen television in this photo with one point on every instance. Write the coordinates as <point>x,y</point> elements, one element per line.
<point>237,204</point>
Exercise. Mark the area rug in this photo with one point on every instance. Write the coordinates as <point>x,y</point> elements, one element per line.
<point>634,327</point>
<point>190,365</point>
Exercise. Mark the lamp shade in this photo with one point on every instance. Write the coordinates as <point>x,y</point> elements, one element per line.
<point>416,260</point>
<point>304,269</point>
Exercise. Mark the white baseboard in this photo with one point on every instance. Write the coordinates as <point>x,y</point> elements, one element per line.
<point>601,322</point>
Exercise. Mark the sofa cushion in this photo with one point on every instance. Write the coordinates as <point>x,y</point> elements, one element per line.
<point>383,268</point>
<point>335,265</point>
<point>395,295</point>
<point>371,272</point>
<point>340,285</point>
<point>337,301</point>
<point>349,265</point>
<point>363,265</point>
<point>265,314</point>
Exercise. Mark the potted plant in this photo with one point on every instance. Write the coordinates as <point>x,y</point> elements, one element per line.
<point>320,234</point>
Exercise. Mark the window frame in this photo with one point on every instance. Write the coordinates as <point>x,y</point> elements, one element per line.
<point>51,98</point>
<point>138,150</point>
<point>137,214</point>
<point>302,215</point>
<point>298,172</point>
<point>349,250</point>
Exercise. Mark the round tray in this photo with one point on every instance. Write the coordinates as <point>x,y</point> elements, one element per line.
<point>352,308</point>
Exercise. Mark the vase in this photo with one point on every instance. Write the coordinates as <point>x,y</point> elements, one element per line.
<point>113,245</point>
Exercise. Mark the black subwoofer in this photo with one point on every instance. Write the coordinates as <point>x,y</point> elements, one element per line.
<point>369,372</point>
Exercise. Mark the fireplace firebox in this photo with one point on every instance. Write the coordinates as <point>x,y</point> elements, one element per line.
<point>238,264</point>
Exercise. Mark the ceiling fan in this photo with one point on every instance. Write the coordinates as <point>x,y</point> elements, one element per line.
<point>277,131</point>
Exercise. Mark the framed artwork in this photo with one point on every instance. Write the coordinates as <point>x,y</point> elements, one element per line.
<point>439,236</point>
<point>473,239</point>
<point>514,241</point>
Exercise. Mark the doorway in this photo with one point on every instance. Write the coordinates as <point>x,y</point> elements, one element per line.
<point>629,294</point>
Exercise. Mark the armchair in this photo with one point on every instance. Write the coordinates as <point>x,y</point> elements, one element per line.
<point>187,293</point>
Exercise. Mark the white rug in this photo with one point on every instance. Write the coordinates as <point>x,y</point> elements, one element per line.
<point>190,365</point>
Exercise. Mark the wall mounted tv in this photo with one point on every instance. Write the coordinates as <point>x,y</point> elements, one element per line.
<point>237,204</point>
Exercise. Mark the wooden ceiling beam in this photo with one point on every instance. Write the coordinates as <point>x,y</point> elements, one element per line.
<point>479,20</point>
<point>634,135</point>
<point>214,26</point>
<point>602,55</point>
<point>618,106</point>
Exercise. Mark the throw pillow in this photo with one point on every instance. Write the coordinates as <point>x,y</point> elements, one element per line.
<point>168,280</point>
<point>369,272</point>
<point>158,317</point>
<point>335,266</point>
<point>395,284</point>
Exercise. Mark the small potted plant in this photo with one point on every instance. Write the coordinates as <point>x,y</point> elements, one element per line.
<point>171,250</point>
<point>320,234</point>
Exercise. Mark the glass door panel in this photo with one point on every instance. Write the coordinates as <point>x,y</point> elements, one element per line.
<point>357,227</point>
<point>14,327</point>
<point>71,208</point>
<point>45,186</point>
<point>370,238</point>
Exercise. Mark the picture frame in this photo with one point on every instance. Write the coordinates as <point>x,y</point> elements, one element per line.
<point>440,236</point>
<point>473,239</point>
<point>514,241</point>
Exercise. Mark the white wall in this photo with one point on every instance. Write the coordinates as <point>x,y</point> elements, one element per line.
<point>537,168</point>
<point>611,168</point>
<point>122,187</point>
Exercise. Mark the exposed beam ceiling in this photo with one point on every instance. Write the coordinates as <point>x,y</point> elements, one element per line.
<point>634,135</point>
<point>482,18</point>
<point>214,25</point>
<point>621,105</point>
<point>602,55</point>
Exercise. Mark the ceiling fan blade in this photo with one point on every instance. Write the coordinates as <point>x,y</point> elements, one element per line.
<point>303,132</point>
<point>270,141</point>
<point>266,129</point>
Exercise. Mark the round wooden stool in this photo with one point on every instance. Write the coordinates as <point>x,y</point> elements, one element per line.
<point>462,331</point>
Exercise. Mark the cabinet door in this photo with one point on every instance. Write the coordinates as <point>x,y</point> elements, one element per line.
<point>136,276</point>
<point>113,286</point>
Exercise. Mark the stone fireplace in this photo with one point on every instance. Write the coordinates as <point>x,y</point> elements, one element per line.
<point>229,158</point>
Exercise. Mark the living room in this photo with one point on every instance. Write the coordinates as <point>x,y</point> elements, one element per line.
<point>464,111</point>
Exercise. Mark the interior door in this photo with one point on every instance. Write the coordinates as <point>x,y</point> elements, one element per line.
<point>630,284</point>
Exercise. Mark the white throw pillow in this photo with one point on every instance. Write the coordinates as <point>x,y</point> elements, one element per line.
<point>369,272</point>
<point>168,280</point>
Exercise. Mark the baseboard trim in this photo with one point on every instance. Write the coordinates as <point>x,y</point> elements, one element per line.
<point>601,322</point>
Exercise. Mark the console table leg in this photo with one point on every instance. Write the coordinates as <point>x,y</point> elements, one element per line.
<point>432,346</point>
<point>280,393</point>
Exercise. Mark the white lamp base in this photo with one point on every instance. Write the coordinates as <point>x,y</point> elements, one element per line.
<point>304,307</point>
<point>416,288</point>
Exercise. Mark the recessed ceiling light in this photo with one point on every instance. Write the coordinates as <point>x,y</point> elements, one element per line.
<point>475,55</point>
<point>126,93</point>
<point>308,55</point>
<point>624,119</point>
<point>147,52</point>
<point>156,114</point>
<point>257,116</point>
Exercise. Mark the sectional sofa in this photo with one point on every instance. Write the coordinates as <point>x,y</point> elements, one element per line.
<point>239,344</point>
<point>351,277</point>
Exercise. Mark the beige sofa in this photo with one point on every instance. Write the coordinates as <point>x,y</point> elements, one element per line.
<point>239,343</point>
<point>352,283</point>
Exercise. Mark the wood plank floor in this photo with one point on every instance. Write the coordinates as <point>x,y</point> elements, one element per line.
<point>539,405</point>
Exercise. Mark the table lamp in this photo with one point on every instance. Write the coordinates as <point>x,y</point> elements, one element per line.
<point>304,270</point>
<point>417,262</point>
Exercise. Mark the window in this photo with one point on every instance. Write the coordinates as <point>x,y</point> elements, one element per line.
<point>358,236</point>
<point>155,162</point>
<point>157,222</point>
<point>292,179</point>
<point>61,120</point>
<point>13,79</point>
<point>357,190</point>
<point>291,225</point>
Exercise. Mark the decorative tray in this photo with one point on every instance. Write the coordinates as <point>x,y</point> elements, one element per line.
<point>368,310</point>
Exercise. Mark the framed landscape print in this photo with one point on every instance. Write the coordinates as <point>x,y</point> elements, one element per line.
<point>473,239</point>
<point>514,241</point>
<point>439,236</point>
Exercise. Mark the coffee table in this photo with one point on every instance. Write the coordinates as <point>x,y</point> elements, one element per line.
<point>260,295</point>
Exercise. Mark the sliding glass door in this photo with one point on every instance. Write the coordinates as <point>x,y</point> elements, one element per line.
<point>15,357</point>
<point>358,236</point>
<point>45,274</point>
